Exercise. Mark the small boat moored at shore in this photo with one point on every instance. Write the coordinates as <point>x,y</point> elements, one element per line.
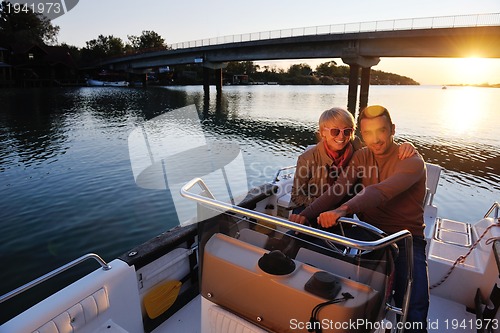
<point>99,83</point>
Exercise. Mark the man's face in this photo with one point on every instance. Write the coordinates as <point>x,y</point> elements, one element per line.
<point>378,134</point>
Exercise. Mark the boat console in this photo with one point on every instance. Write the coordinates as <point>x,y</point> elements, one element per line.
<point>233,279</point>
<point>263,273</point>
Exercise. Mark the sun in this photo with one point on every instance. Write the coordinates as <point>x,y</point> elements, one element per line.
<point>473,70</point>
<point>464,113</point>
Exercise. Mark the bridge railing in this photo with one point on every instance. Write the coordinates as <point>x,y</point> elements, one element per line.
<point>386,25</point>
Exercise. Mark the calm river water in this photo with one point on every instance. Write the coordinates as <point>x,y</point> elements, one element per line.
<point>67,186</point>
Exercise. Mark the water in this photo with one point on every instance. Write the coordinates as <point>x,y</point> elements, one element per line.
<point>67,185</point>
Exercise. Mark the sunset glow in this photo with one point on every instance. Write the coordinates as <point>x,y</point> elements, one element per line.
<point>445,71</point>
<point>473,70</point>
<point>465,115</point>
<point>221,19</point>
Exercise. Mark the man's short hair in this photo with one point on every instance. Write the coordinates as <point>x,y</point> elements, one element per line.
<point>374,111</point>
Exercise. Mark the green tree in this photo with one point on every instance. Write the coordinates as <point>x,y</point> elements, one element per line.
<point>102,47</point>
<point>25,26</point>
<point>242,67</point>
<point>269,74</point>
<point>148,40</point>
<point>327,69</point>
<point>73,51</point>
<point>299,70</point>
<point>380,77</point>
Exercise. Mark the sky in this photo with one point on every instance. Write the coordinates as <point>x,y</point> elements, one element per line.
<point>189,20</point>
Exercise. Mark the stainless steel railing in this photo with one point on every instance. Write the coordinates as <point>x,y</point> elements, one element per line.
<point>53,273</point>
<point>495,208</point>
<point>342,240</point>
<point>279,177</point>
<point>476,20</point>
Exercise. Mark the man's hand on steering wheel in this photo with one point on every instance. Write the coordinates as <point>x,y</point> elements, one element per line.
<point>329,219</point>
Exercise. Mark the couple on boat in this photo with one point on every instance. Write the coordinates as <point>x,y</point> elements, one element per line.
<point>383,183</point>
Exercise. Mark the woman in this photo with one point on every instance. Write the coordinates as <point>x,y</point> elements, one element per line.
<point>318,167</point>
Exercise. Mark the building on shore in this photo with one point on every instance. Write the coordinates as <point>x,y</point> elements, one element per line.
<point>36,65</point>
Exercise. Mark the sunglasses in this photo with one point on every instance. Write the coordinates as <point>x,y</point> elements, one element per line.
<point>336,131</point>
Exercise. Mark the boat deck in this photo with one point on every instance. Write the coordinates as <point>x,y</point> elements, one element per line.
<point>448,316</point>
<point>187,320</point>
<point>444,317</point>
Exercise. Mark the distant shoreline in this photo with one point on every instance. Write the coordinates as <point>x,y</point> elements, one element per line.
<point>482,85</point>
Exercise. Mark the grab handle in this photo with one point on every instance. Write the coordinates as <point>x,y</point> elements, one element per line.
<point>53,273</point>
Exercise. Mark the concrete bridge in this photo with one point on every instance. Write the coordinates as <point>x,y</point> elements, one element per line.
<point>360,45</point>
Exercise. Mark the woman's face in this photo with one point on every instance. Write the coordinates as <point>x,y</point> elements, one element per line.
<point>336,134</point>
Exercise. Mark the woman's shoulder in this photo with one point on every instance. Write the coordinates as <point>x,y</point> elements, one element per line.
<point>311,149</point>
<point>312,152</point>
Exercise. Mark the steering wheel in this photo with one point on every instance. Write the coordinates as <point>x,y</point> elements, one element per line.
<point>368,233</point>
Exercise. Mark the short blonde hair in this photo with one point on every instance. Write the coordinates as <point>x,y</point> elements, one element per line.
<point>374,111</point>
<point>336,114</point>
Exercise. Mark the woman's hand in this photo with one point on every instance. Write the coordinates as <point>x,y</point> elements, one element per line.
<point>298,219</point>
<point>406,149</point>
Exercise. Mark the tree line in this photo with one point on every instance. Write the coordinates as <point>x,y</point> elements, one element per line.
<point>327,73</point>
<point>28,27</point>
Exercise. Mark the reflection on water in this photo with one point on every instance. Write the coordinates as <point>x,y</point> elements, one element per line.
<point>455,128</point>
<point>68,188</point>
<point>468,113</point>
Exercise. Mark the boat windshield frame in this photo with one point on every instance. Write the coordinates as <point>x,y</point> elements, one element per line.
<point>207,199</point>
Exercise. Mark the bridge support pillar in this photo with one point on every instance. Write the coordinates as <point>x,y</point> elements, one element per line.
<point>206,81</point>
<point>217,67</point>
<point>355,63</point>
<point>352,93</point>
<point>365,86</point>
<point>218,80</point>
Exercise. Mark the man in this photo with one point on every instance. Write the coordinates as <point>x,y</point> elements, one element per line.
<point>391,199</point>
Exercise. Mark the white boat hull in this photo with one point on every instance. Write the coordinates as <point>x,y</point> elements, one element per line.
<point>98,83</point>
